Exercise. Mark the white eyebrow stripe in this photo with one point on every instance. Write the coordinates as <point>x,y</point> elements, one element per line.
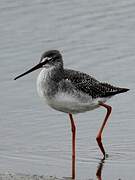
<point>46,58</point>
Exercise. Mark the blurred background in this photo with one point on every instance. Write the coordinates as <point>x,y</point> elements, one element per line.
<point>94,36</point>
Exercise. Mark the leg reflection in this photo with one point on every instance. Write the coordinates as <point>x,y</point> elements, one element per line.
<point>99,169</point>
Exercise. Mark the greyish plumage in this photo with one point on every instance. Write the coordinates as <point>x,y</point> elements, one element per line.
<point>71,92</point>
<point>89,85</point>
<point>68,90</point>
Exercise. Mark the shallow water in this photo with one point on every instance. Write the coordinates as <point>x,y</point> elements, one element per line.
<point>94,36</point>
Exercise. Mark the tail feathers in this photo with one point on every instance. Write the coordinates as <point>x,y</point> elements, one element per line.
<point>109,90</point>
<point>115,91</point>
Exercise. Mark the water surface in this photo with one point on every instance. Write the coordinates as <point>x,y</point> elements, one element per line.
<point>94,36</point>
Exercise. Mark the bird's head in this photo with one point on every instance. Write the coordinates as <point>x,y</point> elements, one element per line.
<point>49,59</point>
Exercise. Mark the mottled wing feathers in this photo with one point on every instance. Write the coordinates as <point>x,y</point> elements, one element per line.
<point>79,77</point>
<point>89,85</point>
<point>112,90</point>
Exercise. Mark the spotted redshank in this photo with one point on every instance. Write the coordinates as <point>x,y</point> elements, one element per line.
<point>72,92</point>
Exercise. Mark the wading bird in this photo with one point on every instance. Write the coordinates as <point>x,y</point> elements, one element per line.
<point>72,92</point>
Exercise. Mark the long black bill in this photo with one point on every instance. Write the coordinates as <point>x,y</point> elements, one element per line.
<point>30,70</point>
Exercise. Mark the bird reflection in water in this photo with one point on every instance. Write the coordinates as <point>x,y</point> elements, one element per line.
<point>99,169</point>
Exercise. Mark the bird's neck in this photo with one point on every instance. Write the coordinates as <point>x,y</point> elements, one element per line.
<point>55,74</point>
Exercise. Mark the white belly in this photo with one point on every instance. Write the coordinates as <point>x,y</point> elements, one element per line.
<point>65,102</point>
<point>69,104</point>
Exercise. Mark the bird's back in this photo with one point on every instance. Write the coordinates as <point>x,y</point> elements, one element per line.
<point>89,85</point>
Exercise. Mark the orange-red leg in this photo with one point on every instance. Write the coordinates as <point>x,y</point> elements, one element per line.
<point>99,136</point>
<point>73,128</point>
